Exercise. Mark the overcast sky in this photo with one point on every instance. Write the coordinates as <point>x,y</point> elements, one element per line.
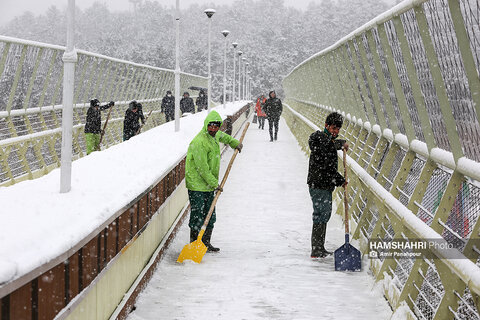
<point>12,8</point>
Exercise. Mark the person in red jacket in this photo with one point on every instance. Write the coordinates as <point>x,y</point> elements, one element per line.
<point>260,113</point>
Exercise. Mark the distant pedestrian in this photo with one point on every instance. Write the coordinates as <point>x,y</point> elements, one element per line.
<point>323,177</point>
<point>168,106</point>
<point>273,108</point>
<point>93,124</point>
<point>186,104</point>
<point>202,101</point>
<point>261,115</point>
<point>131,125</point>
<point>202,168</point>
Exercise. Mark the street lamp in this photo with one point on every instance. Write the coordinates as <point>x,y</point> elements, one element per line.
<point>177,67</point>
<point>234,44</point>
<point>245,88</point>
<point>70,58</point>
<point>209,13</point>
<point>239,74</point>
<point>225,34</point>
<point>243,79</point>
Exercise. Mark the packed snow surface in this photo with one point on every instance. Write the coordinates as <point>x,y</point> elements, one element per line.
<point>264,269</point>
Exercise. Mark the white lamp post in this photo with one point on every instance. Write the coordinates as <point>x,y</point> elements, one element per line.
<point>177,67</point>
<point>209,13</point>
<point>245,90</point>
<point>225,34</point>
<point>69,60</point>
<point>243,79</point>
<point>234,44</point>
<point>239,74</point>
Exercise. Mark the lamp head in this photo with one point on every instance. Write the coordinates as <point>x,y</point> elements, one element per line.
<point>225,33</point>
<point>209,12</point>
<point>234,44</point>
<point>240,53</point>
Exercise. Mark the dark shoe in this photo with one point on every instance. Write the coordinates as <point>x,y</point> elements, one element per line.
<point>271,140</point>
<point>193,235</point>
<point>275,137</point>
<point>207,236</point>
<point>316,253</point>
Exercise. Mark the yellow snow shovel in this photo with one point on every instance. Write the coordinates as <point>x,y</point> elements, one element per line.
<point>196,250</point>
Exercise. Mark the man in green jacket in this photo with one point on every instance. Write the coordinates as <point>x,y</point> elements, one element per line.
<point>201,174</point>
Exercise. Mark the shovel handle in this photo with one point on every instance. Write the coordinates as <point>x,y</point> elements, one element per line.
<point>104,127</point>
<point>148,116</point>
<point>225,176</point>
<point>345,191</point>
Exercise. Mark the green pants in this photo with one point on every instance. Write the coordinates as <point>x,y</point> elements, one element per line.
<point>200,203</point>
<point>92,141</point>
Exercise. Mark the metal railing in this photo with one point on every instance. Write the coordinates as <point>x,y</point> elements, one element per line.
<point>31,77</point>
<point>408,85</point>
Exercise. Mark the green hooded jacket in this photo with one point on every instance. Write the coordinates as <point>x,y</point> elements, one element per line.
<point>203,157</point>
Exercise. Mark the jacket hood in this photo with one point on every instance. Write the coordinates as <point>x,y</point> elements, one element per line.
<point>213,116</point>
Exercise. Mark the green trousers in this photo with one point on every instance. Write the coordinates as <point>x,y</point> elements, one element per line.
<point>92,141</point>
<point>200,203</point>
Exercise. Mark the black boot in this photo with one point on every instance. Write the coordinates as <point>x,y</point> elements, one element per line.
<point>207,236</point>
<point>316,242</point>
<point>322,232</point>
<point>193,235</point>
<point>275,137</point>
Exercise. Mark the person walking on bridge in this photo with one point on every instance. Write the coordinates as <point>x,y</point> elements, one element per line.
<point>261,115</point>
<point>93,124</point>
<point>168,106</point>
<point>130,123</point>
<point>323,177</point>
<point>273,108</point>
<point>201,174</point>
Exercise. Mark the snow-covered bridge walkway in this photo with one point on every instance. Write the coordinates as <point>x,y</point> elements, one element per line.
<point>263,270</point>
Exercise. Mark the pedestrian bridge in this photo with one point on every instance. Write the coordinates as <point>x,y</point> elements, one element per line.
<point>408,85</point>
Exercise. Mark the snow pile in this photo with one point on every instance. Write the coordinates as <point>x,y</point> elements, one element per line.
<point>39,223</point>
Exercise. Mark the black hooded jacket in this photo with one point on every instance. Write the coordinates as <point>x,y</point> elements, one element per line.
<point>93,122</point>
<point>168,104</point>
<point>323,165</point>
<point>130,123</point>
<point>273,106</point>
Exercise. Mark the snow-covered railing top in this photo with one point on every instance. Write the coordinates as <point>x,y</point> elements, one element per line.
<point>103,185</point>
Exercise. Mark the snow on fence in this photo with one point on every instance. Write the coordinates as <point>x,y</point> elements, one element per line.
<point>31,75</point>
<point>407,84</point>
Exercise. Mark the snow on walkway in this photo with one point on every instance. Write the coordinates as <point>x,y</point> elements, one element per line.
<point>264,269</point>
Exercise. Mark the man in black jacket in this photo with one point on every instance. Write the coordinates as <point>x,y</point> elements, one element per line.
<point>273,108</point>
<point>168,106</point>
<point>186,104</point>
<point>93,124</point>
<point>323,177</point>
<point>130,123</point>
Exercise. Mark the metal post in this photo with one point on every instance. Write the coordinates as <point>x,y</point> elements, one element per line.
<point>177,67</point>
<point>209,13</point>
<point>239,75</point>
<point>225,34</point>
<point>245,88</point>
<point>234,44</point>
<point>69,60</point>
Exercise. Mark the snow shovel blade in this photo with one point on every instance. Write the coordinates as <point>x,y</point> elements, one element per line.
<point>193,251</point>
<point>347,257</point>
